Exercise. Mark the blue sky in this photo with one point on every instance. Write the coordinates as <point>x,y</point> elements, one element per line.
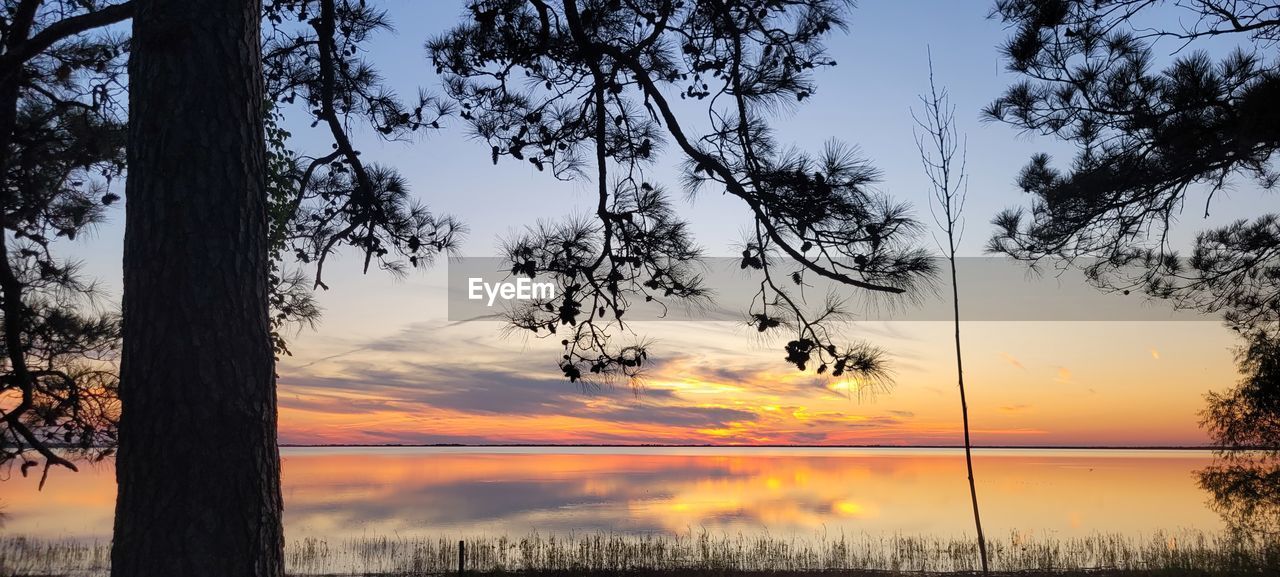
<point>865,101</point>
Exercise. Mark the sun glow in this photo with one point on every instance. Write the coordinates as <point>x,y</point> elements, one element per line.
<point>402,393</point>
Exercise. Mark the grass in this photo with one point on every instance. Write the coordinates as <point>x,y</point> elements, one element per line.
<point>1183,553</point>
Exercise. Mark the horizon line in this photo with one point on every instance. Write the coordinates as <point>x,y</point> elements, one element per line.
<point>766,446</point>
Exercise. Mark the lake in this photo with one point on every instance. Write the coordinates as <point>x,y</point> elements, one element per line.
<point>339,493</point>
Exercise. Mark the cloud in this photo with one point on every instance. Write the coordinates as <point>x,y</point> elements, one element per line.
<point>489,392</point>
<point>1013,362</point>
<point>380,437</point>
<point>676,416</point>
<point>435,383</point>
<point>484,391</point>
<point>1015,408</point>
<point>471,389</point>
<point>810,436</point>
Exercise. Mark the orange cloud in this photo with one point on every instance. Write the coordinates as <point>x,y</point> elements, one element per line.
<point>436,384</point>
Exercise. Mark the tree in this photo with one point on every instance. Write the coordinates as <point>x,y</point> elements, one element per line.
<point>1244,423</point>
<point>313,53</point>
<point>198,465</point>
<point>64,155</point>
<point>936,140</point>
<point>579,88</point>
<point>1150,143</point>
<point>207,392</point>
<point>61,146</point>
<point>190,401</point>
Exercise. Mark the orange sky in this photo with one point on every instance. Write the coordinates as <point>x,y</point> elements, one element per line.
<point>377,374</point>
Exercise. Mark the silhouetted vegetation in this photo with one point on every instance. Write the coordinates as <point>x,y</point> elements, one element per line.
<point>944,158</point>
<point>1244,482</point>
<point>1174,554</point>
<point>198,469</point>
<point>61,147</point>
<point>587,88</point>
<point>321,201</point>
<point>1153,140</point>
<point>578,89</point>
<point>313,56</point>
<point>63,156</point>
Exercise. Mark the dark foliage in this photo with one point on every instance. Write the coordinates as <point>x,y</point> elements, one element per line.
<point>1244,482</point>
<point>64,148</point>
<point>313,54</point>
<point>1249,415</point>
<point>590,88</point>
<point>61,147</point>
<point>1247,495</point>
<point>1152,140</point>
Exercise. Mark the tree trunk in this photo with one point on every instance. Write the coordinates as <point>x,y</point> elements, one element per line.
<point>198,466</point>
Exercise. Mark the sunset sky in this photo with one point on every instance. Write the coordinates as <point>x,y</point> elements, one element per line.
<point>386,366</point>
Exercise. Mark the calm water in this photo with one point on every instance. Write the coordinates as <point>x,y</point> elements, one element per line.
<point>341,493</point>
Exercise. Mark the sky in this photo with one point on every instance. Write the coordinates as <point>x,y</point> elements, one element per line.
<point>387,366</point>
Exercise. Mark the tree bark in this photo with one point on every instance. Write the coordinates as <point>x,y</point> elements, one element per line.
<point>198,466</point>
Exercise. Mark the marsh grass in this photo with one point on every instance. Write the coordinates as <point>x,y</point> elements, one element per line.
<point>1181,553</point>
<point>27,556</point>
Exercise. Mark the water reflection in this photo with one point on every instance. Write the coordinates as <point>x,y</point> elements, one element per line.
<point>337,493</point>
<point>1245,489</point>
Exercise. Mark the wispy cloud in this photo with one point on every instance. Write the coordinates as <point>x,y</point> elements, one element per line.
<point>1013,361</point>
<point>438,384</point>
<point>430,382</point>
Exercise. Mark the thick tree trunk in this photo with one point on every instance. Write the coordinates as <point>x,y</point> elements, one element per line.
<point>198,467</point>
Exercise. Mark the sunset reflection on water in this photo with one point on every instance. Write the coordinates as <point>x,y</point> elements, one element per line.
<point>338,493</point>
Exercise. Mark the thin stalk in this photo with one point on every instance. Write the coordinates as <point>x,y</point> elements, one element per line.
<point>964,411</point>
<point>936,140</point>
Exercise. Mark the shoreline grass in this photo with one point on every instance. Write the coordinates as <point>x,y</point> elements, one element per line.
<point>1174,554</point>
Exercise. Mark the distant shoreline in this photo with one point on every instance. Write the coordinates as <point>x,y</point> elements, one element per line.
<point>712,446</point>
